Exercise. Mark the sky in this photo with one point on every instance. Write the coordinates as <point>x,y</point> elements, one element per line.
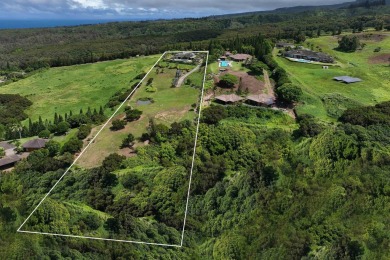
<point>138,9</point>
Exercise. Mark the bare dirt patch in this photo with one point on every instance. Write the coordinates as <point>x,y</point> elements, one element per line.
<point>249,82</point>
<point>380,59</point>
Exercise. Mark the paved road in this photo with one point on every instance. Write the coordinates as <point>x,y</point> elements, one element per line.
<point>183,77</point>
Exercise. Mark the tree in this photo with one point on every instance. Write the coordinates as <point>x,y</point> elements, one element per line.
<point>84,131</point>
<point>62,128</point>
<point>349,43</point>
<point>44,134</point>
<point>289,92</point>
<point>128,141</point>
<point>53,147</point>
<point>228,81</point>
<point>133,114</point>
<point>212,115</point>
<point>258,67</point>
<point>118,125</point>
<point>72,146</point>
<point>112,162</point>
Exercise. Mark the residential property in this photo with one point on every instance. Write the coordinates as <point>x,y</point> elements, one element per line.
<point>240,57</point>
<point>285,45</point>
<point>8,162</point>
<point>229,99</point>
<point>261,100</point>
<point>309,56</point>
<point>186,57</point>
<point>347,79</point>
<point>34,144</point>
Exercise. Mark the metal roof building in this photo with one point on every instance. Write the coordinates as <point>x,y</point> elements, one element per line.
<point>347,79</point>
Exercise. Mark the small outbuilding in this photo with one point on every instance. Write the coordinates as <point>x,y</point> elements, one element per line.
<point>228,99</point>
<point>347,79</point>
<point>34,144</point>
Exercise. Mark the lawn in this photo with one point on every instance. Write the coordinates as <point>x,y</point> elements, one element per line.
<point>317,83</point>
<point>72,88</point>
<point>170,105</point>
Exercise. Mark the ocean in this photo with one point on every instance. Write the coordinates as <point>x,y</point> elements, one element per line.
<point>18,24</point>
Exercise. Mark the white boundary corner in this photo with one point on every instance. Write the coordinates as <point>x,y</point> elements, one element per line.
<point>93,139</point>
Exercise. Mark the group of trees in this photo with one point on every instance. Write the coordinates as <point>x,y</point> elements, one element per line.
<point>59,126</point>
<point>349,43</point>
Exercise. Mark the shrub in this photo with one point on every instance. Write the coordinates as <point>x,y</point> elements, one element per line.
<point>62,128</point>
<point>133,114</point>
<point>44,134</point>
<point>84,131</point>
<point>128,141</point>
<point>118,125</point>
<point>72,146</point>
<point>228,81</point>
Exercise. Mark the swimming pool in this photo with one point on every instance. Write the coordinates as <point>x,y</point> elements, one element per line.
<point>224,63</point>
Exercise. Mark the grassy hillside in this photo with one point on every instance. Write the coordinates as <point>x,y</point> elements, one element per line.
<point>169,105</point>
<point>77,87</point>
<point>323,96</point>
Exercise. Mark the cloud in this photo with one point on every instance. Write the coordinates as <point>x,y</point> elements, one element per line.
<point>141,8</point>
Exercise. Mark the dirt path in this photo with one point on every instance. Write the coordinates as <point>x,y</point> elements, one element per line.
<point>182,78</point>
<point>268,85</point>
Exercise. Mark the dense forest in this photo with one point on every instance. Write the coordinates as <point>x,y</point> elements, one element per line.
<point>29,50</point>
<point>287,196</point>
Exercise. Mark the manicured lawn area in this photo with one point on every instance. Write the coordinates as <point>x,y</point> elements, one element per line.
<point>72,88</point>
<point>317,83</point>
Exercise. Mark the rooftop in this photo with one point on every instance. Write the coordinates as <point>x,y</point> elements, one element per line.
<point>229,98</point>
<point>35,143</point>
<point>347,79</point>
<point>9,159</point>
<point>240,56</point>
<point>262,98</point>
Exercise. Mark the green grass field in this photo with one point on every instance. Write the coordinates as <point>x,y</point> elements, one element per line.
<point>75,87</point>
<point>170,105</point>
<point>317,83</point>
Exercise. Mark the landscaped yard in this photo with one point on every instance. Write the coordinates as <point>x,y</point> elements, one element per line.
<point>317,83</point>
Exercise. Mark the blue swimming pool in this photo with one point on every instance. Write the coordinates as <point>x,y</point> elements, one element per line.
<point>224,63</point>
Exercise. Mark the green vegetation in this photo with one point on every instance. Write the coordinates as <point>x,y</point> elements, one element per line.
<point>228,81</point>
<point>317,83</point>
<point>265,185</point>
<point>56,91</point>
<point>349,43</point>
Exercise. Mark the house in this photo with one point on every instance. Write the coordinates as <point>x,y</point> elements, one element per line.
<point>186,57</point>
<point>285,45</point>
<point>228,54</point>
<point>34,144</point>
<point>223,58</point>
<point>309,55</point>
<point>260,100</point>
<point>8,162</point>
<point>228,99</point>
<point>347,79</point>
<point>240,57</point>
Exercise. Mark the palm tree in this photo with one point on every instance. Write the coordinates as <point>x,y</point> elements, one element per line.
<point>17,128</point>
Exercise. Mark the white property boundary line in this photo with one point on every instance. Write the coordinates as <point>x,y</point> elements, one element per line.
<point>93,139</point>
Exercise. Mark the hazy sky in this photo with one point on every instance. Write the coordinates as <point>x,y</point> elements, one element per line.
<point>115,9</point>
